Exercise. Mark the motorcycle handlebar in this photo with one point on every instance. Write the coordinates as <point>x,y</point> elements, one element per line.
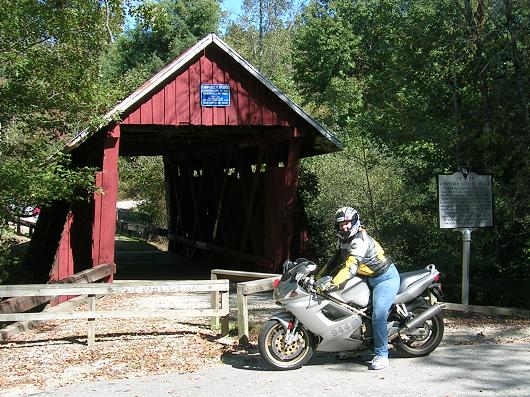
<point>307,282</point>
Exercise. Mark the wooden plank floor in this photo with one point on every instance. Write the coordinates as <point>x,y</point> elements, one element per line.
<point>136,259</point>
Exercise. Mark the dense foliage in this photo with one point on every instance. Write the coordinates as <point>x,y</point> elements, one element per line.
<point>416,89</point>
<point>49,67</point>
<point>412,88</point>
<point>263,35</point>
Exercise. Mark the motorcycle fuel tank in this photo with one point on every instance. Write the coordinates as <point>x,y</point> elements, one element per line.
<point>356,291</point>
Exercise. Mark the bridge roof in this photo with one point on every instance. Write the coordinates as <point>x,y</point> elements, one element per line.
<point>168,104</point>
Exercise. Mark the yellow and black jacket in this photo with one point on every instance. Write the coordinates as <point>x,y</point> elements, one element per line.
<point>362,256</point>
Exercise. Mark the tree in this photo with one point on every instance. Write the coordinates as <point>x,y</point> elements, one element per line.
<point>430,86</point>
<point>49,57</point>
<point>263,35</point>
<point>49,52</point>
<point>161,31</point>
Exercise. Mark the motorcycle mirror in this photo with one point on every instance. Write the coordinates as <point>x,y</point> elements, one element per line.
<point>311,267</point>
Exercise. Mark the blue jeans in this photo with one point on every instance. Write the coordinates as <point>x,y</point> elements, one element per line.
<point>384,290</point>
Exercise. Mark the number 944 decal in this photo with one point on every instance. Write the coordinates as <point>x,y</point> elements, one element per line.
<point>346,329</point>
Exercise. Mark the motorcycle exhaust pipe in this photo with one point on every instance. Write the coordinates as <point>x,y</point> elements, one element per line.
<point>417,321</point>
<point>427,314</point>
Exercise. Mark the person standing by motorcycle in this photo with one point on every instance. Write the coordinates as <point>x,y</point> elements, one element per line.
<point>358,254</point>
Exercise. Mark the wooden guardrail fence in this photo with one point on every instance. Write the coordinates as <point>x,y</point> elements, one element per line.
<point>33,295</point>
<point>91,289</point>
<point>29,222</point>
<point>253,282</point>
<point>503,311</point>
<point>21,304</point>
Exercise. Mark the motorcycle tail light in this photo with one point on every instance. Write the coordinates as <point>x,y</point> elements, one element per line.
<point>437,278</point>
<point>290,325</point>
<point>276,282</point>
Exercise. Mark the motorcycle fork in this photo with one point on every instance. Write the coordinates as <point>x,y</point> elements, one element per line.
<point>290,333</point>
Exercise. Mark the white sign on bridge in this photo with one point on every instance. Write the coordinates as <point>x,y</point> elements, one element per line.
<point>465,200</point>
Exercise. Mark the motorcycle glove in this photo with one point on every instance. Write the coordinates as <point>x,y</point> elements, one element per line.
<point>328,288</point>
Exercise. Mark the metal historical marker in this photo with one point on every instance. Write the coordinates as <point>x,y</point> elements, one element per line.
<point>465,203</point>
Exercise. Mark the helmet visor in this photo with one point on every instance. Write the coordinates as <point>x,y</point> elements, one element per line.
<point>342,220</point>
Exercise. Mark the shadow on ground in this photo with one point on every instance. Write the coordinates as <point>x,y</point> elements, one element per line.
<point>248,358</point>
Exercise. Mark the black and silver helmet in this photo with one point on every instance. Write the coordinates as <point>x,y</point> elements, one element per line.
<point>346,215</point>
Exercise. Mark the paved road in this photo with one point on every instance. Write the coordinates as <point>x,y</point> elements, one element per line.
<point>463,370</point>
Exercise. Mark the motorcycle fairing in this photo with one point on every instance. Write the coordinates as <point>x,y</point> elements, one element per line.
<point>337,328</point>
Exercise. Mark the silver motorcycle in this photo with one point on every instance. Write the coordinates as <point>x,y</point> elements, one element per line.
<point>341,321</point>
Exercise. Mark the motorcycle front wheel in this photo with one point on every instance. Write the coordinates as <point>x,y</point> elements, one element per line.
<point>277,353</point>
<point>425,338</point>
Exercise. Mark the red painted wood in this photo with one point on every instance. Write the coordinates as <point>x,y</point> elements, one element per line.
<point>290,189</point>
<point>272,225</point>
<point>267,108</point>
<point>178,102</point>
<point>105,213</point>
<point>206,78</point>
<point>255,100</point>
<point>170,104</point>
<point>134,117</point>
<point>243,94</point>
<point>195,81</point>
<point>63,265</point>
<point>219,113</point>
<point>232,113</point>
<point>146,112</point>
<point>96,225</point>
<point>182,93</point>
<point>63,260</point>
<point>158,107</point>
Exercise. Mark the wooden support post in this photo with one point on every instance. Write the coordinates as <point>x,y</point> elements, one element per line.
<point>222,195</point>
<point>225,319</point>
<point>91,336</point>
<point>195,199</point>
<point>250,208</point>
<point>170,202</point>
<point>214,321</point>
<point>242,316</point>
<point>245,289</point>
<point>104,227</point>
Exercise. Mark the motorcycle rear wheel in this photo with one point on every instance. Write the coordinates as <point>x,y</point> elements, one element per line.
<point>277,354</point>
<point>426,338</point>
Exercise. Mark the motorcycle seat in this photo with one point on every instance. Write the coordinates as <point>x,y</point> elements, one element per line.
<point>408,278</point>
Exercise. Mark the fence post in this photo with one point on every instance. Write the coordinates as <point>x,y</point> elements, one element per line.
<point>225,320</point>
<point>242,316</point>
<point>214,320</point>
<point>91,337</point>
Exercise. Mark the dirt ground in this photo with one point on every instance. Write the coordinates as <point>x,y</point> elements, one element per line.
<point>55,353</point>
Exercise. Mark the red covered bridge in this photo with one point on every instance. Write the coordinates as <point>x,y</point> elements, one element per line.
<point>231,144</point>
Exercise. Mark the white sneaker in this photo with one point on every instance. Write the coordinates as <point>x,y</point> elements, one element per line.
<point>379,362</point>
